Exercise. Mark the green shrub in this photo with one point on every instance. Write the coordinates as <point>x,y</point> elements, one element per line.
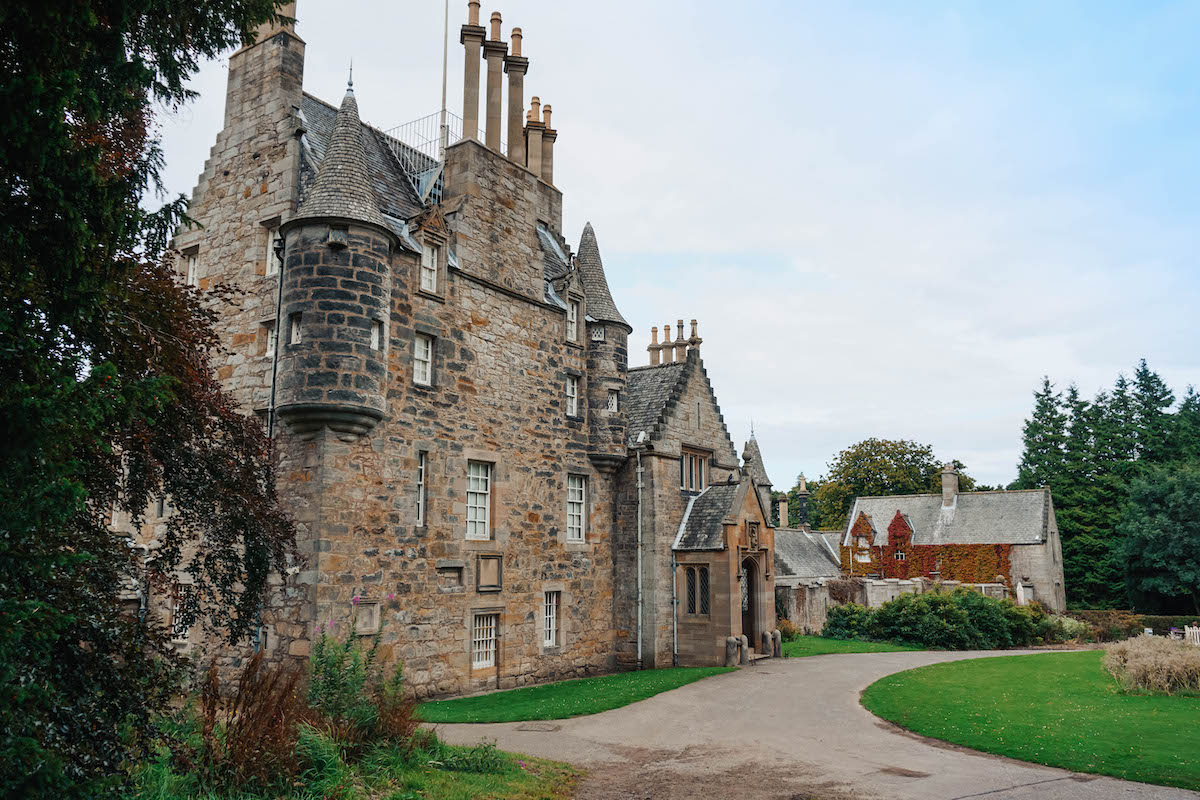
<point>961,620</point>
<point>353,697</point>
<point>788,631</point>
<point>849,621</point>
<point>482,758</point>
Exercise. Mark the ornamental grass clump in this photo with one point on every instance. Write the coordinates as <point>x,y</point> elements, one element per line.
<point>1154,664</point>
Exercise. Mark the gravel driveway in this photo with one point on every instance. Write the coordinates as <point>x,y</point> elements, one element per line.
<point>789,729</point>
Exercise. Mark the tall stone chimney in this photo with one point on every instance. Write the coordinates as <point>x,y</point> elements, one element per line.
<point>516,67</point>
<point>548,137</point>
<point>783,511</point>
<point>949,485</point>
<point>802,503</point>
<point>653,348</point>
<point>680,344</point>
<point>471,36</point>
<point>533,136</point>
<point>494,50</point>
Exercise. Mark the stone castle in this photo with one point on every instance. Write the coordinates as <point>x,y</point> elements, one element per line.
<point>474,468</point>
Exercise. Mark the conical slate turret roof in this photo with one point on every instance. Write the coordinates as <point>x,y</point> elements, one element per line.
<point>752,458</point>
<point>600,305</point>
<point>342,188</point>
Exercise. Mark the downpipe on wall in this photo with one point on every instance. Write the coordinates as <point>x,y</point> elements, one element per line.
<point>638,444</point>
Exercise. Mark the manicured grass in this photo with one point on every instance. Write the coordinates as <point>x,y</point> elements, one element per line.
<point>1059,709</point>
<point>820,646</point>
<point>575,698</point>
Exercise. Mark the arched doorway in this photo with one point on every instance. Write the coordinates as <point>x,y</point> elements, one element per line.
<point>750,601</point>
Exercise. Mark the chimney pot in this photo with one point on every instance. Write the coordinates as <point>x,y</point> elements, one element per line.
<point>516,41</point>
<point>535,109</point>
<point>495,26</point>
<point>546,115</point>
<point>680,343</point>
<point>472,12</point>
<point>653,348</point>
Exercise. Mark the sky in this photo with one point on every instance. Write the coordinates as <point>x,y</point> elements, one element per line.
<point>890,220</point>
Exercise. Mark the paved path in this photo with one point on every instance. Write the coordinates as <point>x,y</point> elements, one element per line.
<point>790,729</point>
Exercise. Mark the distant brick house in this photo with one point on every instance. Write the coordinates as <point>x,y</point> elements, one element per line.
<point>1007,537</point>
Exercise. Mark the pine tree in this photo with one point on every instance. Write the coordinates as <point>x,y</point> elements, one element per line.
<point>1152,400</point>
<point>1044,433</point>
<point>1186,427</point>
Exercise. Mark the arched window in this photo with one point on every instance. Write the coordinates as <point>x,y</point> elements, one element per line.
<point>704,604</point>
<point>691,590</point>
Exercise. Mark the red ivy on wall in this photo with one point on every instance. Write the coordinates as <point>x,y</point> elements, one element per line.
<point>900,558</point>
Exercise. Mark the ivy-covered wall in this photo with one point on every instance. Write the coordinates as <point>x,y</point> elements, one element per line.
<point>899,558</point>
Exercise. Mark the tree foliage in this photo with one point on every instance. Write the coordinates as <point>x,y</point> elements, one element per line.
<point>875,467</point>
<point>108,398</point>
<point>1090,453</point>
<point>1160,533</point>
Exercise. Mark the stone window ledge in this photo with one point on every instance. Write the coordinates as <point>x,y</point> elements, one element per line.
<point>437,298</point>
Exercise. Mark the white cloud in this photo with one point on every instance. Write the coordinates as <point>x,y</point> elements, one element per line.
<point>884,228</point>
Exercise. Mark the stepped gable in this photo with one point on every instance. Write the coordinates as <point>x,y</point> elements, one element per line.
<point>600,305</point>
<point>393,193</point>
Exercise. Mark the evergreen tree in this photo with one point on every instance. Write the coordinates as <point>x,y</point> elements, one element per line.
<point>1185,429</point>
<point>1160,533</point>
<point>1043,434</point>
<point>1152,400</point>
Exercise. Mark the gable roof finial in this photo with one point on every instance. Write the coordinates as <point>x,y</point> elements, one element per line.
<point>350,80</point>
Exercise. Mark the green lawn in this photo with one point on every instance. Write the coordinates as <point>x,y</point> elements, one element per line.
<point>575,698</point>
<point>820,646</point>
<point>1059,709</point>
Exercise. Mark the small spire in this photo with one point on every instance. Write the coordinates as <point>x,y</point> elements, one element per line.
<point>350,80</point>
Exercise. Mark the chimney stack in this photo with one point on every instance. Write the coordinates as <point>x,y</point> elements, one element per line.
<point>548,137</point>
<point>783,512</point>
<point>653,348</point>
<point>533,136</point>
<point>516,67</point>
<point>495,51</point>
<point>949,485</point>
<point>802,503</point>
<point>471,36</point>
<point>695,340</point>
<point>680,344</point>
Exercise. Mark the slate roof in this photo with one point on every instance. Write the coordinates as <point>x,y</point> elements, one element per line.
<point>752,457</point>
<point>804,554</point>
<point>1018,517</point>
<point>702,527</point>
<point>393,194</point>
<point>600,305</point>
<point>556,261</point>
<point>834,538</point>
<point>647,393</point>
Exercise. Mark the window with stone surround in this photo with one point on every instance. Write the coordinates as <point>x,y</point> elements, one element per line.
<point>550,619</point>
<point>423,359</point>
<point>614,400</point>
<point>572,396</point>
<point>270,338</point>
<point>691,590</point>
<point>573,321</point>
<point>693,471</point>
<point>479,500</point>
<point>294,328</point>
<point>576,504</point>
<point>272,261</point>
<point>376,334</point>
<point>193,269</point>
<point>704,600</point>
<point>422,458</point>
<point>597,333</point>
<point>179,628</point>
<point>483,640</point>
<point>430,255</point>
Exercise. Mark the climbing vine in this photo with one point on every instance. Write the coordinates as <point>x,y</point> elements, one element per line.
<point>900,558</point>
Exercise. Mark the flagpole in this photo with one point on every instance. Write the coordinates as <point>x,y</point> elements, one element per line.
<point>445,53</point>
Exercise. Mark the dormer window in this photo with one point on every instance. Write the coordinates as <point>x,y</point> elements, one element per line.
<point>430,255</point>
<point>573,321</point>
